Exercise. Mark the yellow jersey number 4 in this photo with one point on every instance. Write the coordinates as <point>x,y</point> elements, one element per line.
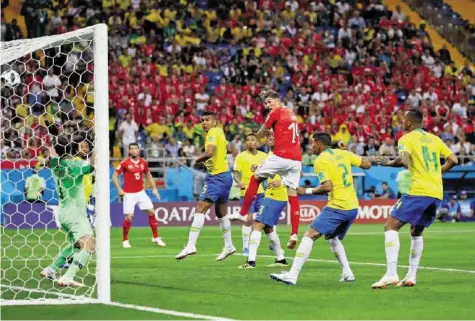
<point>430,157</point>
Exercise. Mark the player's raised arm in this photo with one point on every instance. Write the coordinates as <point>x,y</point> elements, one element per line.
<point>365,163</point>
<point>359,161</point>
<point>262,132</point>
<point>403,159</point>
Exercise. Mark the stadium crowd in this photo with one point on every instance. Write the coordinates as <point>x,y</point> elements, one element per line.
<point>350,68</point>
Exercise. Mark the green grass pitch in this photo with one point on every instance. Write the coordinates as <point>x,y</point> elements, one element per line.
<point>149,276</point>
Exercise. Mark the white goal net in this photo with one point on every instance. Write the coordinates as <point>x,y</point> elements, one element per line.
<point>54,91</point>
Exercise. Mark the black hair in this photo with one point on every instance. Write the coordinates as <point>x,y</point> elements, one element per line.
<point>62,146</point>
<point>253,135</point>
<point>416,115</point>
<point>385,183</point>
<point>134,144</point>
<point>323,138</point>
<point>209,113</point>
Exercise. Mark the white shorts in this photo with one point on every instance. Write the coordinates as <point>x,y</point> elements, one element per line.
<point>140,198</point>
<point>288,169</point>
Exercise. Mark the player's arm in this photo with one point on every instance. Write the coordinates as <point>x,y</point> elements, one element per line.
<point>450,162</point>
<point>404,156</point>
<point>274,184</point>
<point>151,182</point>
<point>450,159</point>
<point>237,172</point>
<point>115,179</point>
<point>325,186</point>
<point>211,142</point>
<point>262,132</point>
<point>266,129</point>
<point>209,153</point>
<point>359,161</point>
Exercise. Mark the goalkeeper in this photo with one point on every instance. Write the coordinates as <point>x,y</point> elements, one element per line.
<point>68,175</point>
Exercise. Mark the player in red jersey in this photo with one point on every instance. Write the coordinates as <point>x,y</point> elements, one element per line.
<point>134,169</point>
<point>285,161</point>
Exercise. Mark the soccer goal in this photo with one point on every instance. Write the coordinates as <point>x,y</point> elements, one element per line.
<point>51,86</point>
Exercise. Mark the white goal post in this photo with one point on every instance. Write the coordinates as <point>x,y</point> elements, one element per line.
<point>31,242</point>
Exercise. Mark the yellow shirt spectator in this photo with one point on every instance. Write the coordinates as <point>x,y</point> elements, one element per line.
<point>125,60</point>
<point>107,3</point>
<point>257,51</point>
<point>158,129</point>
<point>123,4</point>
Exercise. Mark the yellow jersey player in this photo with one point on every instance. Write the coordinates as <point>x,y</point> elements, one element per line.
<point>420,153</point>
<point>267,218</point>
<point>242,175</point>
<point>333,167</point>
<point>216,190</point>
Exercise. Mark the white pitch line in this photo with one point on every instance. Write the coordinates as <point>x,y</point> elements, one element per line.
<point>169,312</point>
<point>384,265</point>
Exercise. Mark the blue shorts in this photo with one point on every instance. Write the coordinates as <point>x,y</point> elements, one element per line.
<point>333,222</point>
<point>217,188</point>
<point>416,210</point>
<point>269,212</point>
<point>256,203</point>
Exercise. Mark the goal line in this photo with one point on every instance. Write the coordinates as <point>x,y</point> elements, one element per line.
<point>67,299</point>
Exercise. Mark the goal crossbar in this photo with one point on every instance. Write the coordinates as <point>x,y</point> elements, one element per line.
<point>15,49</point>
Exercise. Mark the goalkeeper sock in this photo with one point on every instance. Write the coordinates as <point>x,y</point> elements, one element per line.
<point>152,221</point>
<point>249,196</point>
<point>294,214</point>
<point>126,225</point>
<point>196,226</point>
<point>246,232</point>
<point>79,261</point>
<point>63,256</point>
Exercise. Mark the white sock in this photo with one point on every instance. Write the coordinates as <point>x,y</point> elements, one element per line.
<point>246,232</point>
<point>225,225</point>
<point>254,243</point>
<point>391,242</point>
<point>303,252</point>
<point>417,245</point>
<point>339,250</point>
<point>275,241</point>
<point>196,226</point>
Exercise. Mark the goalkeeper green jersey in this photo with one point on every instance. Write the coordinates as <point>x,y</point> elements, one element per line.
<point>68,175</point>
